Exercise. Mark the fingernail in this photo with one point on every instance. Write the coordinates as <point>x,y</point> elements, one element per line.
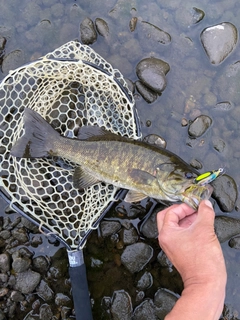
<point>208,203</point>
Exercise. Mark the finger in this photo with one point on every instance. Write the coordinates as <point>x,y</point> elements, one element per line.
<point>175,214</point>
<point>161,216</point>
<point>188,221</point>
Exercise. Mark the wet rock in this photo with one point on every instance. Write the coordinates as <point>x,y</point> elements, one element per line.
<point>44,291</point>
<point>2,42</point>
<point>2,315</point>
<point>133,23</point>
<point>5,234</point>
<point>136,256</point>
<point>20,234</point>
<point>63,300</point>
<point>121,308</point>
<point>40,264</point>
<point>27,281</point>
<point>219,41</point>
<point>4,262</point>
<point>226,227</point>
<point>29,225</point>
<point>65,313</point>
<point>3,292</point>
<point>87,31</point>
<point>164,302</point>
<point>199,126</point>
<point>130,236</point>
<point>145,282</point>
<point>225,192</point>
<point>164,261</point>
<point>156,140</point>
<point>149,228</point>
<point>224,106</point>
<point>197,15</point>
<point>147,94</point>
<point>109,227</point>
<point>16,296</point>
<point>235,243</point>
<point>102,27</point>
<point>3,279</point>
<point>21,264</point>
<point>140,296</point>
<point>151,33</point>
<point>219,144</point>
<point>45,312</point>
<point>186,17</point>
<point>196,164</point>
<point>152,71</point>
<point>12,60</point>
<point>36,241</point>
<point>146,310</point>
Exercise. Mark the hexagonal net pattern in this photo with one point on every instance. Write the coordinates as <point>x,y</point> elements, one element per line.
<point>71,87</point>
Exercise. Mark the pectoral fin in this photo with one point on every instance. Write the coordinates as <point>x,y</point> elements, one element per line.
<point>142,177</point>
<point>134,196</point>
<point>82,179</point>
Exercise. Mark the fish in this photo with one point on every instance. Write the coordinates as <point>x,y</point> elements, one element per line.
<point>143,169</point>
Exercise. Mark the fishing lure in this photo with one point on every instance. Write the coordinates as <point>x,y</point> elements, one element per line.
<point>208,177</point>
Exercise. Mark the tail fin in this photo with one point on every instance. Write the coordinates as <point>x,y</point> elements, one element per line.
<point>37,139</point>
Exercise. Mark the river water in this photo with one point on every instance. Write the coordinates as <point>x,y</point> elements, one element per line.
<point>194,85</point>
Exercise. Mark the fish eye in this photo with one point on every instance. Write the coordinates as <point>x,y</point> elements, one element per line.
<point>188,175</point>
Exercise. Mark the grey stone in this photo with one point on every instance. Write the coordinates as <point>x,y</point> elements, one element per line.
<point>4,262</point>
<point>27,281</point>
<point>148,95</point>
<point>153,34</point>
<point>136,256</point>
<point>164,302</point>
<point>226,227</point>
<point>145,281</point>
<point>21,264</point>
<point>44,291</point>
<point>130,236</point>
<point>102,27</point>
<point>145,311</point>
<point>109,227</point>
<point>152,71</point>
<point>199,126</point>
<point>219,41</point>
<point>63,300</point>
<point>87,31</point>
<point>121,308</point>
<point>225,192</point>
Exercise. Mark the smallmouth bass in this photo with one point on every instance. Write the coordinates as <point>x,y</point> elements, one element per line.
<point>145,170</point>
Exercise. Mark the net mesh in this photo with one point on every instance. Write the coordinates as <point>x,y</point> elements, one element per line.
<point>70,87</point>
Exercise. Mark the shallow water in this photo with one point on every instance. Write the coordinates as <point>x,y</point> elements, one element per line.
<point>33,28</point>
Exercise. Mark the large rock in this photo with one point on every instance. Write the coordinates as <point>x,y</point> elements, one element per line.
<point>152,71</point>
<point>136,256</point>
<point>219,41</point>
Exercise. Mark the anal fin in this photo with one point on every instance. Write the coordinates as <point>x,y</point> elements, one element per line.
<point>134,196</point>
<point>82,179</point>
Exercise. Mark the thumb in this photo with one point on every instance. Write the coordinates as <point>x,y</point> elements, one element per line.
<point>206,212</point>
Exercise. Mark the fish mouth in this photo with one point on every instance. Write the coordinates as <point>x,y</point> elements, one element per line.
<point>195,193</point>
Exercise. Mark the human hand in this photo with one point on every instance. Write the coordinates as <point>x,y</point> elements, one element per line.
<point>189,241</point>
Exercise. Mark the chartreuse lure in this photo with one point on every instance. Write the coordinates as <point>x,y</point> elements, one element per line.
<point>208,177</point>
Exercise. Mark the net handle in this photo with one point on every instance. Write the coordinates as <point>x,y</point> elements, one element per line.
<point>80,292</point>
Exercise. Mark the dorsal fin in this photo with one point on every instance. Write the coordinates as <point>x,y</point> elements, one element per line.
<point>95,133</point>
